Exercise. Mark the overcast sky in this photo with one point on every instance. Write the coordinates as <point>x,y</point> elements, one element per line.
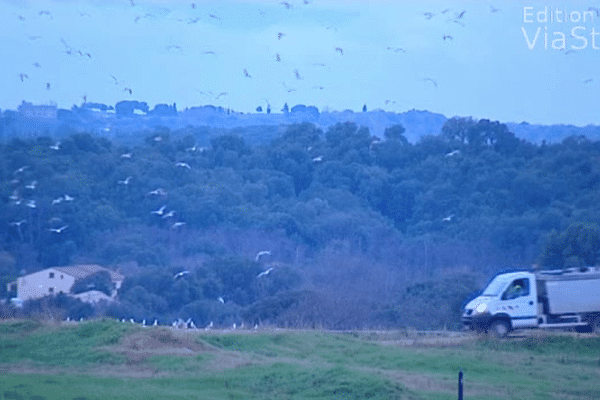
<point>333,54</point>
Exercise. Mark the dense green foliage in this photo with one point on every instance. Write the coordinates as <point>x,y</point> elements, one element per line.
<point>351,220</point>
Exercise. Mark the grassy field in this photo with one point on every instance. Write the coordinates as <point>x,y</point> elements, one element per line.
<point>111,360</point>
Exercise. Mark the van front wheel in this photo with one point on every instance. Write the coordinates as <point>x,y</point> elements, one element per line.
<point>499,329</point>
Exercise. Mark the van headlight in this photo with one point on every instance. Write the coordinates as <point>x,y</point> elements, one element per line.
<point>481,308</point>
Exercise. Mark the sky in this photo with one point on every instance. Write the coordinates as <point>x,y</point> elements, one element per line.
<point>485,59</point>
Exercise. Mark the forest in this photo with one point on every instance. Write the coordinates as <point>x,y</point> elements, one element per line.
<point>355,231</point>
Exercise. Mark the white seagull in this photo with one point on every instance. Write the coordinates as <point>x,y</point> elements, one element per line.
<point>58,230</point>
<point>160,211</point>
<point>68,198</point>
<point>56,146</point>
<point>177,225</point>
<point>184,165</point>
<point>180,274</point>
<point>158,192</point>
<point>265,272</point>
<point>31,185</point>
<point>126,181</point>
<point>221,300</point>
<point>169,214</point>
<point>262,253</point>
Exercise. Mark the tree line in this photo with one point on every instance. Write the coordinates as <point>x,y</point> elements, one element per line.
<point>357,227</point>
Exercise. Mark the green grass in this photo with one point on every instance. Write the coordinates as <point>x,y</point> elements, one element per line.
<point>77,362</point>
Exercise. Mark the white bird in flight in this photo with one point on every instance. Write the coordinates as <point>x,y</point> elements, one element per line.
<point>180,274</point>
<point>265,272</point>
<point>160,211</point>
<point>58,230</point>
<point>126,181</point>
<point>262,253</point>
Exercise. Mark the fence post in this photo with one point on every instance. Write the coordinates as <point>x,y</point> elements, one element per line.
<point>460,385</point>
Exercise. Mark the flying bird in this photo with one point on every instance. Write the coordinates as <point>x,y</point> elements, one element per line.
<point>23,76</point>
<point>126,155</point>
<point>262,253</point>
<point>128,90</point>
<point>286,4</point>
<point>57,201</point>
<point>431,80</point>
<point>246,73</point>
<point>58,230</point>
<point>180,274</point>
<point>31,185</point>
<point>68,198</point>
<point>126,181</point>
<point>317,159</point>
<point>45,13</point>
<point>160,211</point>
<point>396,49</point>
<point>265,272</point>
<point>170,214</point>
<point>213,16</point>
<point>280,35</point>
<point>453,153</point>
<point>177,225</point>
<point>18,223</point>
<point>588,80</point>
<point>459,16</point>
<point>297,74</point>
<point>340,50</point>
<point>492,9</point>
<point>37,65</point>
<point>31,204</point>
<point>428,15</point>
<point>184,165</point>
<point>221,300</point>
<point>448,218</point>
<point>158,192</point>
<point>447,37</point>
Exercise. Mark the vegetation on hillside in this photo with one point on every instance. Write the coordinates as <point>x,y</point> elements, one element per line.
<point>361,231</point>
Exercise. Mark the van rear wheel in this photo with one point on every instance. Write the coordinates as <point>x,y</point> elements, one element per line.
<point>499,329</point>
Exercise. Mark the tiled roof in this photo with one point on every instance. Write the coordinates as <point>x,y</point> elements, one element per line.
<point>81,271</point>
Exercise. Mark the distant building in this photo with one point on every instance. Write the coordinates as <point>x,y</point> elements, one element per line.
<point>28,110</point>
<point>56,280</point>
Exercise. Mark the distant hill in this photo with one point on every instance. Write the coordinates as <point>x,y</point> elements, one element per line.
<point>103,120</point>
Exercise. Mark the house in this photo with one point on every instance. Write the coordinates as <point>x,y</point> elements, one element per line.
<point>28,110</point>
<point>57,280</point>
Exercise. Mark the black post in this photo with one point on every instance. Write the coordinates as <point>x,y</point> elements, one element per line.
<point>460,385</point>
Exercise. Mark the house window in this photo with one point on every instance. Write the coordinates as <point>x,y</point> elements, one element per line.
<point>51,274</point>
<point>51,290</point>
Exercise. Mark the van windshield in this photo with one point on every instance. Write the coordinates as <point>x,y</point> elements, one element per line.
<point>495,287</point>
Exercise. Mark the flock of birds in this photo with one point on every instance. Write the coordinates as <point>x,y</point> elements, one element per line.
<point>24,195</point>
<point>454,18</point>
<point>177,324</point>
